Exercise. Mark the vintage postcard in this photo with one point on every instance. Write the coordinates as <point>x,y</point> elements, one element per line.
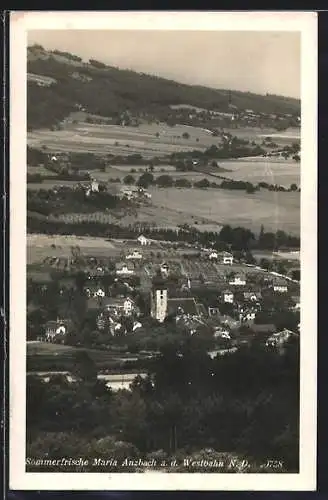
<point>163,180</point>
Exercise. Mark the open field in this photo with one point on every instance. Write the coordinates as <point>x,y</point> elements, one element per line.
<point>258,134</point>
<point>275,210</point>
<point>272,171</point>
<point>125,140</point>
<point>50,184</point>
<point>159,216</point>
<point>210,210</point>
<point>44,356</point>
<point>119,140</point>
<point>41,171</point>
<point>40,246</point>
<point>283,255</point>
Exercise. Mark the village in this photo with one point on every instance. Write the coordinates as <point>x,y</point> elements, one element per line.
<point>201,291</point>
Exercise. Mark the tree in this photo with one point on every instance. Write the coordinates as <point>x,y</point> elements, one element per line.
<point>145,180</point>
<point>84,367</point>
<point>293,187</point>
<point>182,183</point>
<point>186,135</point>
<point>250,189</point>
<point>203,183</point>
<point>164,181</point>
<point>129,179</point>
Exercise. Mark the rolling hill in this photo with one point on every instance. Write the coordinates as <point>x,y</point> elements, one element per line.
<point>60,83</point>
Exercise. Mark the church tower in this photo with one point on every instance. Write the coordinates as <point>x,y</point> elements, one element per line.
<point>158,298</point>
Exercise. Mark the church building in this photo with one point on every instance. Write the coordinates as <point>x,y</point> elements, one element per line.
<point>162,306</point>
<point>158,298</point>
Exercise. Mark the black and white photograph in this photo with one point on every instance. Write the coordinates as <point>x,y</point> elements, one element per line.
<point>163,287</point>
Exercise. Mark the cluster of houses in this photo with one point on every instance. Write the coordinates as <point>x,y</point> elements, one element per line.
<point>244,303</point>
<point>237,299</point>
<point>134,193</point>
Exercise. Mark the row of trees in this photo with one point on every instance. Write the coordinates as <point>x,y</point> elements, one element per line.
<point>237,238</point>
<point>65,200</point>
<point>166,181</point>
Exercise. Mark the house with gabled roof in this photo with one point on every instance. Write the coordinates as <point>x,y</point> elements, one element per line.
<point>122,306</point>
<point>238,280</point>
<point>143,240</point>
<point>124,268</point>
<point>226,258</point>
<point>57,330</point>
<point>134,255</point>
<point>279,285</point>
<point>228,296</point>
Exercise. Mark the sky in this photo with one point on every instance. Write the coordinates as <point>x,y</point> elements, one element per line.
<point>251,61</point>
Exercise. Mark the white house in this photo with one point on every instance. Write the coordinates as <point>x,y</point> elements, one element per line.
<point>164,269</point>
<point>98,292</point>
<point>128,306</point>
<point>55,329</point>
<point>280,286</point>
<point>228,296</point>
<point>222,332</point>
<point>213,255</point>
<point>136,326</point>
<point>94,186</point>
<point>239,279</point>
<point>127,193</point>
<point>124,268</point>
<point>227,258</point>
<point>134,255</point>
<point>247,315</point>
<point>143,240</point>
<point>121,306</point>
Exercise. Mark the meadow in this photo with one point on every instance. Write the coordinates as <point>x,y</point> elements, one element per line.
<point>273,171</point>
<point>40,246</point>
<point>148,139</point>
<point>258,134</point>
<point>52,183</point>
<point>275,210</point>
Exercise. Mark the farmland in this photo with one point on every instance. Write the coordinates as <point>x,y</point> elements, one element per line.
<point>41,170</point>
<point>148,139</point>
<point>171,206</point>
<point>40,246</point>
<point>257,133</point>
<point>210,210</point>
<point>283,173</point>
<point>275,210</point>
<point>272,171</point>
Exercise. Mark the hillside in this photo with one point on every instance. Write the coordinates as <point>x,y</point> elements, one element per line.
<point>59,83</point>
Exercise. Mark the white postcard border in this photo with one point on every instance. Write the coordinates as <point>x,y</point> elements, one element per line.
<point>21,22</point>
